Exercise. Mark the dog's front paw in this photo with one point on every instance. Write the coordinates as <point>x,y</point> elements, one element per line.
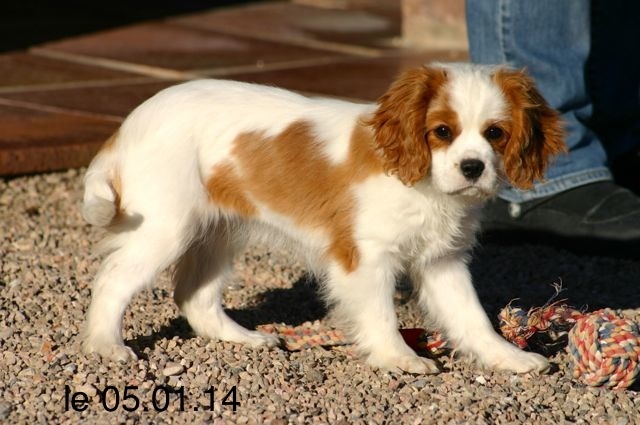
<point>406,363</point>
<point>115,352</point>
<point>513,359</point>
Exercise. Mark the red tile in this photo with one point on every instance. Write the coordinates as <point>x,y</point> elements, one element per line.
<point>364,79</point>
<point>24,69</point>
<point>296,23</point>
<point>176,47</point>
<point>36,141</point>
<point>112,100</point>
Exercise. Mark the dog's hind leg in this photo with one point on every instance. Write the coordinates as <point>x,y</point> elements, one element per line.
<point>200,278</point>
<point>143,254</point>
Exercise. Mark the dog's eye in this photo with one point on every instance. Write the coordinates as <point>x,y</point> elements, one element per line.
<point>493,133</point>
<point>444,133</point>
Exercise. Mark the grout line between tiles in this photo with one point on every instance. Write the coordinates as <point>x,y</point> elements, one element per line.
<point>149,71</point>
<point>55,109</point>
<point>275,66</point>
<point>79,84</point>
<point>331,46</point>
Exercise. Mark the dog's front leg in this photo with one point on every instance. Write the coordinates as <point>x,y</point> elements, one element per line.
<point>447,294</point>
<point>363,301</point>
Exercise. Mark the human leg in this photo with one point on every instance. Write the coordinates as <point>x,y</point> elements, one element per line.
<point>551,40</point>
<point>564,47</point>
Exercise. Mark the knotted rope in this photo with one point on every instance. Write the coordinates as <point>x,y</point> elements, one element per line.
<point>555,319</point>
<point>604,348</point>
<point>306,335</point>
<point>314,334</point>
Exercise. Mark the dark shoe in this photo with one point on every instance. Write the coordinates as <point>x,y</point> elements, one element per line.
<point>598,218</point>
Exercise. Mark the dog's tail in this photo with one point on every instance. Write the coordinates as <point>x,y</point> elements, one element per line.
<point>102,186</point>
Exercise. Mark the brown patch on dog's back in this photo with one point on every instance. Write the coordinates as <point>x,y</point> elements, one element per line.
<point>224,187</point>
<point>289,174</point>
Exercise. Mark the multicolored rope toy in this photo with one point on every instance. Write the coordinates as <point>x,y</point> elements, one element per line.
<point>555,320</point>
<point>314,334</point>
<point>604,348</point>
<point>306,335</point>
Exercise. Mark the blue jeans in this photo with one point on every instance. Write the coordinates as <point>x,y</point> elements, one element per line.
<point>583,56</point>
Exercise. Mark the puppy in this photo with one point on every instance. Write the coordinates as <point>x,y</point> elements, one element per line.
<point>364,192</point>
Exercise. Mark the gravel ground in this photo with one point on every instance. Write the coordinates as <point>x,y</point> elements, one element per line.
<point>46,269</point>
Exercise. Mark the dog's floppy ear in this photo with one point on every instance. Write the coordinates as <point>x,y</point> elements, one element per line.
<point>537,133</point>
<point>399,123</point>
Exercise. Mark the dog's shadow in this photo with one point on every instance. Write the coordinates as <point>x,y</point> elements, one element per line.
<point>527,272</point>
<point>295,305</point>
<point>502,273</point>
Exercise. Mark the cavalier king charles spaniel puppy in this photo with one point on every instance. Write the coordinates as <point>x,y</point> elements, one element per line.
<point>363,193</point>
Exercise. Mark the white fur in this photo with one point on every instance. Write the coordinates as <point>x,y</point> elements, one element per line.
<point>167,148</point>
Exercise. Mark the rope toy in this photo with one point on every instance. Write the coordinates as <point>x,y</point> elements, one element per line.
<point>554,320</point>
<point>314,334</point>
<point>604,348</point>
<point>306,335</point>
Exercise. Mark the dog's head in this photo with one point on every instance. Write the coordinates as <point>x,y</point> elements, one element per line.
<point>466,128</point>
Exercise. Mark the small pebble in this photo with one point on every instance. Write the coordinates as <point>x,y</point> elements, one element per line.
<point>5,410</point>
<point>172,369</point>
<point>481,380</point>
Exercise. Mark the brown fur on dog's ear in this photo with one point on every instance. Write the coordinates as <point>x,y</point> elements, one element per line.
<point>399,123</point>
<point>537,133</point>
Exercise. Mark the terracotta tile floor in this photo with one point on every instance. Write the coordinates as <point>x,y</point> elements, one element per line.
<point>355,78</point>
<point>355,31</point>
<point>59,101</point>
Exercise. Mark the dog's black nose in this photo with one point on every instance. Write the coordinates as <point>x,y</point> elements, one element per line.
<point>472,168</point>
